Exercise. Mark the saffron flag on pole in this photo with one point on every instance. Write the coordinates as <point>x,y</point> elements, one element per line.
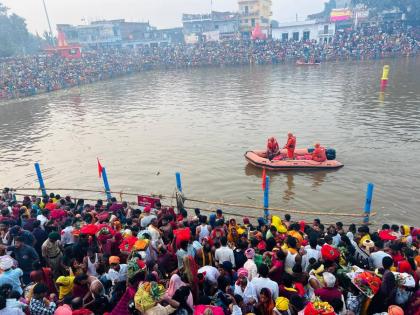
<point>99,168</point>
<point>264,175</point>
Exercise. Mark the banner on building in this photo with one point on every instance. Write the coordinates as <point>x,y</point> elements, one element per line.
<point>338,15</point>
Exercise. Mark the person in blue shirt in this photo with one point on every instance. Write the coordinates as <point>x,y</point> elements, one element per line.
<point>10,275</point>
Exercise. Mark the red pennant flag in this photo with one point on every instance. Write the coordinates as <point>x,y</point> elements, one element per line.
<point>99,168</point>
<point>264,175</point>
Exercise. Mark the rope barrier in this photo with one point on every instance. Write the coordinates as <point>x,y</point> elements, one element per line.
<point>96,191</point>
<point>256,217</point>
<point>204,210</point>
<point>235,205</point>
<point>355,215</point>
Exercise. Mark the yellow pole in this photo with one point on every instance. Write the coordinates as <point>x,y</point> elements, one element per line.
<point>385,72</point>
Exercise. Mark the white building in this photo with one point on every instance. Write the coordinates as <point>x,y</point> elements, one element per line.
<point>304,30</point>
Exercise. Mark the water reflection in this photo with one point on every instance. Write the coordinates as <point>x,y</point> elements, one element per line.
<point>315,177</point>
<point>201,121</point>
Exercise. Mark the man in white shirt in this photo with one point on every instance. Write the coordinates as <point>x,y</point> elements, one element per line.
<point>117,272</point>
<point>264,282</point>
<point>154,231</point>
<point>250,265</point>
<point>211,273</point>
<point>313,250</point>
<point>224,253</point>
<point>67,237</point>
<point>378,254</point>
<point>43,218</point>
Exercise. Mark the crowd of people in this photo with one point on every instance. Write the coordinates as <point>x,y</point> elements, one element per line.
<point>30,75</point>
<point>63,256</point>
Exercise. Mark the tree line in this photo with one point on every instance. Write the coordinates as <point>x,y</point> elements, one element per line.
<point>15,38</point>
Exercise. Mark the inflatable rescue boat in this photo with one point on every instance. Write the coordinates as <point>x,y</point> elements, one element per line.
<point>303,160</point>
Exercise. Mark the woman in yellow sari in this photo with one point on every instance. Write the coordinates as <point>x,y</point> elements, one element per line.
<point>233,234</point>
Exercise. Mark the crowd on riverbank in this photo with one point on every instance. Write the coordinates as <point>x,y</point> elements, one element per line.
<point>66,257</point>
<point>31,75</point>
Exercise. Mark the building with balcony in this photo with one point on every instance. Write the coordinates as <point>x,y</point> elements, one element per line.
<point>118,33</point>
<point>255,12</point>
<point>304,30</point>
<point>224,24</point>
<point>104,33</point>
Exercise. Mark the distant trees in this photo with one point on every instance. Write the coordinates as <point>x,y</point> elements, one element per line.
<point>14,36</point>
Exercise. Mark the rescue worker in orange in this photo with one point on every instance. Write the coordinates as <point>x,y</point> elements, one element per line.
<point>272,148</point>
<point>319,154</point>
<point>290,146</point>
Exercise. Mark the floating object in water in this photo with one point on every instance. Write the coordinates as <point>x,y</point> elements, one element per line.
<point>301,162</point>
<point>384,79</point>
<point>303,63</point>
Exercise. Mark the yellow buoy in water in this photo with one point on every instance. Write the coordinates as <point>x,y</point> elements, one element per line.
<point>384,79</point>
<point>385,72</point>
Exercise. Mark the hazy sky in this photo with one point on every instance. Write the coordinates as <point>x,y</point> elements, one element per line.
<point>160,13</point>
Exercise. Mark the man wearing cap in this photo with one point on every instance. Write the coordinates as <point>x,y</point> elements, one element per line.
<point>51,251</point>
<point>282,306</point>
<point>245,288</point>
<point>9,275</point>
<point>117,272</point>
<point>25,256</point>
<point>250,265</point>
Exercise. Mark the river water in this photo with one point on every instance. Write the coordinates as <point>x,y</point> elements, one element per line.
<point>200,122</point>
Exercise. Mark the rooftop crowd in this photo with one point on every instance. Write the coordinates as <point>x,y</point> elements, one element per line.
<point>31,75</point>
<point>66,257</point>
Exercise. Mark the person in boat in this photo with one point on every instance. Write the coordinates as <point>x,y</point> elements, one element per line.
<point>290,146</point>
<point>319,154</point>
<point>273,148</point>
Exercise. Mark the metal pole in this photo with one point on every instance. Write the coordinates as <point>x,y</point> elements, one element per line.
<point>40,179</point>
<point>49,24</point>
<point>368,202</point>
<point>106,184</point>
<point>178,181</point>
<point>266,195</point>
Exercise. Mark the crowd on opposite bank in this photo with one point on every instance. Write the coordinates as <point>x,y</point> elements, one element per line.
<point>66,257</point>
<point>31,75</point>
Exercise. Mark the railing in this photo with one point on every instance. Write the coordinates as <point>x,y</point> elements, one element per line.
<point>195,200</point>
<point>250,14</point>
<point>179,193</point>
<point>323,33</point>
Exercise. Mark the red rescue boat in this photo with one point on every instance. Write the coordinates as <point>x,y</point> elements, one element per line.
<point>302,161</point>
